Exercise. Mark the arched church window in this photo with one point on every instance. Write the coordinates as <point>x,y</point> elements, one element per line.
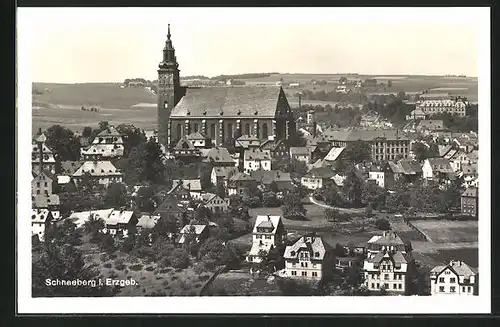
<point>196,128</point>
<point>265,132</point>
<point>229,131</point>
<point>179,131</point>
<point>212,131</point>
<point>247,129</point>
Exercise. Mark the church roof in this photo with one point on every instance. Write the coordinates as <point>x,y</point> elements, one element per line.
<point>224,102</point>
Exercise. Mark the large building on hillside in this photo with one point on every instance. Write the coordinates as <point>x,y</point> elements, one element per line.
<point>218,112</point>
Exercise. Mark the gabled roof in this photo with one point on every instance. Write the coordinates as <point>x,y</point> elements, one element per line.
<point>219,155</point>
<point>41,138</point>
<point>147,221</point>
<point>70,167</point>
<point>459,267</point>
<point>234,102</point>
<point>390,238</point>
<point>267,177</point>
<point>272,222</point>
<point>97,168</point>
<point>396,257</point>
<point>110,131</point>
<point>334,153</point>
<point>196,136</point>
<point>470,192</point>
<point>364,134</point>
<point>321,172</point>
<point>198,229</point>
<point>42,201</point>
<point>79,218</point>
<point>39,215</point>
<point>45,174</point>
<point>184,143</point>
<point>440,165</point>
<point>469,169</point>
<point>431,124</point>
<point>246,137</point>
<point>119,217</point>
<point>189,184</point>
<point>257,154</point>
<point>107,150</point>
<point>225,172</point>
<point>170,205</point>
<point>271,144</point>
<point>241,177</point>
<point>410,167</point>
<point>311,243</point>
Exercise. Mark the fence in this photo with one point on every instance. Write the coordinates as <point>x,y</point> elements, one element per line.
<point>416,229</point>
<point>211,279</point>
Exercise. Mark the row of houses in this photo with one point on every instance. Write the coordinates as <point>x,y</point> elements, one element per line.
<point>385,260</point>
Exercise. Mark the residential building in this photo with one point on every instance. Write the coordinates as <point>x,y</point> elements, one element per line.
<point>103,172</point>
<point>240,183</point>
<point>80,217</point>
<point>68,168</point>
<point>380,177</point>
<point>218,157</point>
<point>456,106</point>
<point>386,144</point>
<point>107,145</point>
<point>301,154</point>
<point>186,151</point>
<point>310,257</point>
<point>247,141</point>
<point>193,234</point>
<point>387,269</point>
<point>438,169</point>
<point>469,202</point>
<point>390,241</point>
<point>172,207</point>
<point>192,185</point>
<point>146,222</point>
<point>456,278</point>
<point>42,183</point>
<point>42,158</point>
<point>316,178</point>
<point>119,222</point>
<point>333,155</point>
<point>220,175</point>
<point>278,148</point>
<point>199,140</point>
<point>40,219</point>
<point>470,175</point>
<point>346,263</point>
<point>268,232</point>
<point>416,114</point>
<point>282,180</point>
<point>430,125</point>
<point>256,159</point>
<point>215,202</point>
<point>218,112</point>
<point>405,169</point>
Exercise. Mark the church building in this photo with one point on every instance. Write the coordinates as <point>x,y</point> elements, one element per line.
<point>220,113</point>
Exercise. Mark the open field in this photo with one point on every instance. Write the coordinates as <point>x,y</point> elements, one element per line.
<point>405,231</point>
<point>440,257</point>
<point>444,231</point>
<point>241,283</point>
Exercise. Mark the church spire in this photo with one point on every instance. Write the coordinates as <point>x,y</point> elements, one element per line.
<point>169,58</point>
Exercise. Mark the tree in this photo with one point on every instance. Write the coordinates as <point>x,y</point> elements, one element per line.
<point>63,142</point>
<point>353,188</point>
<point>420,281</point>
<point>65,263</point>
<point>144,164</point>
<point>383,224</point>
<point>389,83</point>
<point>296,139</point>
<point>270,200</point>
<point>179,258</point>
<point>221,190</point>
<point>116,195</point>
<point>373,195</point>
<point>357,151</point>
<point>164,227</point>
<point>332,214</point>
<point>292,205</point>
<point>273,187</point>
<point>420,150</point>
<point>107,243</point>
<point>60,234</point>
<point>213,253</point>
<point>87,132</point>
<point>103,125</point>
<point>132,137</point>
<point>296,168</point>
<point>146,199</point>
<point>93,226</point>
<point>202,216</point>
<point>343,80</point>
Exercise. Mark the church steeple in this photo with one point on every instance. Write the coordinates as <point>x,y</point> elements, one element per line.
<point>169,59</point>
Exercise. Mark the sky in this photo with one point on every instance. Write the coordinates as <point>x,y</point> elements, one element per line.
<point>111,44</point>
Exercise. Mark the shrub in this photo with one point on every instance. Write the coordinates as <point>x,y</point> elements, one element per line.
<point>197,285</point>
<point>150,268</point>
<point>165,282</point>
<point>174,277</point>
<point>383,224</point>
<point>180,259</point>
<point>136,267</point>
<point>199,268</point>
<point>159,277</point>
<point>108,265</point>
<point>126,271</point>
<point>184,285</point>
<point>120,267</point>
<point>203,277</point>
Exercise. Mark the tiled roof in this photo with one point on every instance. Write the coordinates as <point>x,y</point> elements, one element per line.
<point>45,174</point>
<point>299,151</point>
<point>119,217</point>
<point>271,144</point>
<point>390,238</point>
<point>469,169</point>
<point>459,267</point>
<point>275,220</point>
<point>241,177</point>
<point>42,201</point>
<point>110,131</point>
<point>39,215</point>
<point>70,167</point>
<point>470,192</point>
<point>267,177</point>
<point>97,168</point>
<point>219,155</point>
<point>147,221</point>
<point>41,138</point>
<point>79,218</point>
<point>397,257</point>
<point>410,167</point>
<point>107,150</point>
<point>247,138</point>
<point>257,154</point>
<point>443,149</point>
<point>431,124</point>
<point>184,143</point>
<point>313,244</point>
<point>198,229</point>
<point>440,164</point>
<point>196,136</point>
<point>257,247</point>
<point>224,102</point>
<point>321,172</point>
<point>225,172</point>
<point>189,184</point>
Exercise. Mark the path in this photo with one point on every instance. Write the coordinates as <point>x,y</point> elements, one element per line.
<point>348,210</point>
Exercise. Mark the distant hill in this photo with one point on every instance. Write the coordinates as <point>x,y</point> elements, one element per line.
<point>107,95</point>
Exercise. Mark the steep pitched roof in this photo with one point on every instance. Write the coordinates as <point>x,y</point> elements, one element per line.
<point>119,217</point>
<point>440,164</point>
<point>189,184</point>
<point>110,131</point>
<point>225,172</point>
<point>40,215</point>
<point>184,143</point>
<point>334,153</point>
<point>390,238</point>
<point>273,220</point>
<point>70,167</point>
<point>241,177</point>
<point>321,172</point>
<point>97,168</point>
<point>219,155</point>
<point>313,244</point>
<point>148,221</point>
<point>470,192</point>
<point>234,102</point>
<point>364,135</point>
<point>198,229</point>
<point>107,150</point>
<point>257,154</point>
<point>267,177</point>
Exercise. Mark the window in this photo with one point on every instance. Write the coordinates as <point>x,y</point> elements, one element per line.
<point>37,191</point>
<point>400,286</point>
<point>452,280</point>
<point>304,273</point>
<point>293,264</point>
<point>314,265</point>
<point>468,289</point>
<point>38,184</point>
<point>212,131</point>
<point>314,274</point>
<point>447,272</point>
<point>294,273</point>
<point>386,276</point>
<point>394,286</point>
<point>463,289</point>
<point>196,128</point>
<point>441,279</point>
<point>373,285</point>
<point>247,129</point>
<point>265,132</point>
<point>378,285</point>
<point>229,131</point>
<point>452,289</point>
<point>386,285</point>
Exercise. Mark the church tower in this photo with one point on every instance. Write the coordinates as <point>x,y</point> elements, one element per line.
<point>169,90</point>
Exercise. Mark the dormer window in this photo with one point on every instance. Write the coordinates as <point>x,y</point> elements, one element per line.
<point>256,112</point>
<point>33,217</point>
<point>316,254</point>
<point>221,113</point>
<point>189,113</point>
<point>239,112</point>
<point>204,113</point>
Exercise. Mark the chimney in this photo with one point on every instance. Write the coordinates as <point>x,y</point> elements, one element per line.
<point>268,217</point>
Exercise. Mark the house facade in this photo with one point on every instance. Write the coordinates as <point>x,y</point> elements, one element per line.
<point>456,278</point>
<point>256,159</point>
<point>316,178</point>
<point>268,232</point>
<point>469,202</point>
<point>103,172</point>
<point>310,257</point>
<point>107,145</point>
<point>42,158</point>
<point>240,183</point>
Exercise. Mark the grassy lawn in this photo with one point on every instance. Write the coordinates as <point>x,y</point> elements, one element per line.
<point>440,257</point>
<point>443,231</point>
<point>241,284</point>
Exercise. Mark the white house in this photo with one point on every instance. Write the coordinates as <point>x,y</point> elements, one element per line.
<point>309,258</point>
<point>268,232</point>
<point>103,172</point>
<point>222,174</point>
<point>378,176</point>
<point>300,154</point>
<point>79,218</point>
<point>456,278</point>
<point>437,169</point>
<point>215,202</point>
<point>317,178</point>
<point>256,159</point>
<point>119,222</point>
<point>107,144</point>
<point>192,185</point>
<point>387,269</point>
<point>42,158</point>
<point>199,232</point>
<point>198,140</point>
<point>147,222</point>
<point>39,220</point>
